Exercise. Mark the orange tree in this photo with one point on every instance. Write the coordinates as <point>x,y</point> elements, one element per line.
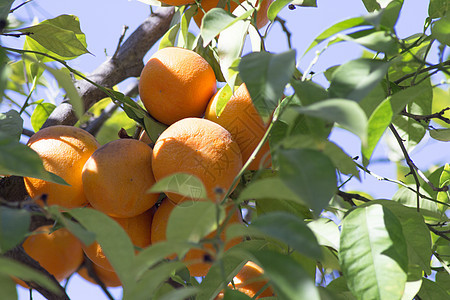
<point>311,236</point>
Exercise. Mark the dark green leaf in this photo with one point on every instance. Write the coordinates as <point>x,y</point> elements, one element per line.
<point>112,238</point>
<point>441,30</point>
<point>266,205</point>
<point>191,221</point>
<point>310,174</point>
<point>61,35</point>
<point>346,113</point>
<point>5,7</point>
<point>266,76</point>
<point>6,74</point>
<point>438,8</point>
<point>286,275</point>
<point>180,293</point>
<point>390,14</point>
<point>338,287</point>
<point>373,253</point>
<point>8,287</point>
<point>18,159</point>
<point>268,188</point>
<point>379,41</point>
<point>309,92</point>
<point>11,124</point>
<point>371,5</point>
<point>431,290</point>
<point>41,114</point>
<point>443,280</point>
<point>344,163</point>
<point>14,224</point>
<point>181,183</point>
<point>355,79</point>
<point>289,229</point>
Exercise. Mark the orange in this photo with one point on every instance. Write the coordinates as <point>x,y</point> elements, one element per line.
<point>195,258</point>
<point>64,150</point>
<point>176,83</point>
<point>250,281</point>
<point>243,121</point>
<point>199,147</point>
<point>117,176</point>
<point>58,252</point>
<point>207,5</point>
<point>138,230</point>
<point>177,2</point>
<point>109,278</point>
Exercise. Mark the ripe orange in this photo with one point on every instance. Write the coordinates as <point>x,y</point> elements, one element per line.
<point>58,252</point>
<point>195,258</point>
<point>137,228</point>
<point>176,83</point>
<point>177,2</point>
<point>117,176</point>
<point>64,150</point>
<point>109,278</point>
<point>243,121</point>
<point>199,147</point>
<point>207,5</point>
<point>250,281</point>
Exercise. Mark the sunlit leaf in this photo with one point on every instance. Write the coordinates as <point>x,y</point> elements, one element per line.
<point>183,184</point>
<point>441,30</point>
<point>356,78</point>
<point>41,114</point>
<point>373,253</point>
<point>326,232</point>
<point>310,174</point>
<point>444,180</point>
<point>169,38</point>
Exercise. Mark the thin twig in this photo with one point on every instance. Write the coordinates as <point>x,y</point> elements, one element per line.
<point>119,43</point>
<point>410,163</point>
<point>19,6</point>
<point>427,118</point>
<point>438,233</point>
<point>91,273</point>
<point>286,31</point>
<point>348,197</point>
<point>17,35</point>
<point>432,67</point>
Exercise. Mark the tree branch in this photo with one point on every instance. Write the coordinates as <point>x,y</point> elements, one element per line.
<point>426,118</point>
<point>128,62</point>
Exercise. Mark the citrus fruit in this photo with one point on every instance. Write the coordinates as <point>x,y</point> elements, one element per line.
<point>117,176</point>
<point>207,5</point>
<point>177,2</point>
<point>243,121</point>
<point>138,230</point>
<point>250,281</point>
<point>201,148</point>
<point>59,252</point>
<point>63,150</point>
<point>108,278</point>
<point>195,257</point>
<point>176,83</point>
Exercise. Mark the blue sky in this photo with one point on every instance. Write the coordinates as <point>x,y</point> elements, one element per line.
<point>102,22</point>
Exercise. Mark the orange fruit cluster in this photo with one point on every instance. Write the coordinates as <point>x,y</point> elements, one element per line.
<point>178,88</point>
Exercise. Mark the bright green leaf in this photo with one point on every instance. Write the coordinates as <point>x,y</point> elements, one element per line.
<point>41,114</point>
<point>428,209</point>
<point>373,253</point>
<point>356,78</point>
<point>310,174</point>
<point>444,180</point>
<point>169,38</point>
<point>224,95</point>
<point>266,75</point>
<point>326,232</point>
<point>14,225</point>
<point>441,30</point>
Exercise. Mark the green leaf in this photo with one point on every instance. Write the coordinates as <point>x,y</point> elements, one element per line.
<point>191,221</point>
<point>183,184</point>
<point>109,130</point>
<point>441,30</point>
<point>289,229</point>
<point>18,159</point>
<point>14,224</point>
<point>346,113</point>
<point>336,28</point>
<point>310,174</point>
<point>266,205</point>
<point>326,232</point>
<point>11,124</point>
<point>373,253</point>
<point>5,7</point>
<point>8,287</point>
<point>379,41</point>
<point>266,75</point>
<point>344,163</point>
<point>444,180</point>
<point>431,290</point>
<point>112,238</point>
<point>224,95</point>
<point>169,38</point>
<point>218,19</point>
<point>61,35</point>
<point>235,295</point>
<point>41,114</point>
<point>384,114</point>
<point>428,209</point>
<point>180,293</point>
<point>10,267</point>
<point>356,78</point>
<point>276,6</point>
<point>443,280</point>
<point>438,8</point>
<point>309,92</point>
<point>286,275</point>
<point>371,5</point>
<point>268,188</point>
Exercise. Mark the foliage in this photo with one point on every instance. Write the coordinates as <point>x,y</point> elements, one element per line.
<point>313,238</point>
